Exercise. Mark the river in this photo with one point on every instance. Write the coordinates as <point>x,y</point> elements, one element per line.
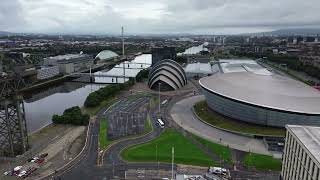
<point>41,106</point>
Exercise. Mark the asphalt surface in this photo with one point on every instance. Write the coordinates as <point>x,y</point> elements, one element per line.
<point>85,167</point>
<point>183,115</point>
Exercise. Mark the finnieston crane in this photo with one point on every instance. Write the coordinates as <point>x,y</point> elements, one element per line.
<point>13,127</point>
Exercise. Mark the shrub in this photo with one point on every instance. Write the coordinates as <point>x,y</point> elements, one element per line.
<point>95,98</point>
<point>71,115</point>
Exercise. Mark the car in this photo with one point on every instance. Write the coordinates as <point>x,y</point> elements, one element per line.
<point>39,161</point>
<point>8,173</point>
<point>22,173</point>
<point>218,170</point>
<point>17,168</point>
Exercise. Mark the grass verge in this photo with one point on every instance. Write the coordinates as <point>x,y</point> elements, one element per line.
<point>262,162</point>
<point>103,139</point>
<point>223,152</point>
<point>159,149</point>
<point>215,119</point>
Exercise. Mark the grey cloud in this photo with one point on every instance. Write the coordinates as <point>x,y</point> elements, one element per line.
<point>10,15</point>
<point>107,16</point>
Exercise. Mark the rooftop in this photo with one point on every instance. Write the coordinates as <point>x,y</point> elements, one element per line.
<point>309,136</point>
<point>106,54</point>
<point>199,68</point>
<point>67,56</point>
<point>253,84</point>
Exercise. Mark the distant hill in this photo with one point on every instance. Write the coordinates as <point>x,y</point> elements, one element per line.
<point>5,33</point>
<point>297,31</point>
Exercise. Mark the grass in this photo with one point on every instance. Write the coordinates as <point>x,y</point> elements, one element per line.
<point>223,152</point>
<point>215,119</point>
<point>262,162</point>
<point>159,149</point>
<point>103,139</point>
<point>94,110</point>
<point>148,125</point>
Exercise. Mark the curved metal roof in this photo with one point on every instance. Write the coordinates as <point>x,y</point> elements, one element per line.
<point>106,54</point>
<point>168,71</point>
<point>269,91</point>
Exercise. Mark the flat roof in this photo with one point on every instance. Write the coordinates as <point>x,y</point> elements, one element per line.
<point>269,91</point>
<point>204,68</point>
<point>309,136</point>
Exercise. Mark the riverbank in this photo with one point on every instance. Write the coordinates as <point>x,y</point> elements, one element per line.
<point>61,142</point>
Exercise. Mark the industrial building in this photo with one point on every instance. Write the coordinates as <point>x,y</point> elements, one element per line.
<point>69,63</point>
<point>246,91</point>
<point>161,53</point>
<point>47,72</point>
<point>107,55</point>
<point>197,70</point>
<point>168,74</point>
<point>301,157</point>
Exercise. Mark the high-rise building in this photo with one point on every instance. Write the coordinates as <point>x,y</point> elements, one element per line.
<point>161,53</point>
<point>301,157</point>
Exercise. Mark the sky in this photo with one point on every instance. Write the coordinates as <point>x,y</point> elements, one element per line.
<point>156,16</point>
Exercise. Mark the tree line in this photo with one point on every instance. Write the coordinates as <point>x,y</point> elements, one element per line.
<point>73,116</point>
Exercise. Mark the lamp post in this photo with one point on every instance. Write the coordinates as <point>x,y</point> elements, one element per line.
<point>159,98</point>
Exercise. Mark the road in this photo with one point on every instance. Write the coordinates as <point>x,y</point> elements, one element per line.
<point>113,167</point>
<point>183,115</point>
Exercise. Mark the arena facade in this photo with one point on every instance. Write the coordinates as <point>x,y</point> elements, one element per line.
<point>244,90</point>
<point>169,74</point>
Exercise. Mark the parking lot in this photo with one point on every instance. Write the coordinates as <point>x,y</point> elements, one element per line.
<point>127,117</point>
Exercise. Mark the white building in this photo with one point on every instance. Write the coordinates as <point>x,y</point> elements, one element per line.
<point>301,158</point>
<point>70,63</point>
<point>47,72</point>
<point>198,70</point>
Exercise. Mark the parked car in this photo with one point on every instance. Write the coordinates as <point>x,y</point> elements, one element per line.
<point>22,173</point>
<point>8,173</point>
<point>218,170</point>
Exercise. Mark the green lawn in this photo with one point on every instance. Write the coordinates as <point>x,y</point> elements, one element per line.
<point>218,120</point>
<point>103,139</point>
<point>223,152</point>
<point>159,149</point>
<point>262,162</point>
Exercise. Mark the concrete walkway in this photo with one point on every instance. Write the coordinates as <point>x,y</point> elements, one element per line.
<point>182,114</point>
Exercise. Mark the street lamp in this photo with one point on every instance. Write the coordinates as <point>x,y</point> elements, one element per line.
<point>159,98</point>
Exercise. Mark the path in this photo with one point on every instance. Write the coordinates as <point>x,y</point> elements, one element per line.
<point>183,115</point>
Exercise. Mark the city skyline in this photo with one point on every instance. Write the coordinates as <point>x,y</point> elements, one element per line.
<point>156,17</point>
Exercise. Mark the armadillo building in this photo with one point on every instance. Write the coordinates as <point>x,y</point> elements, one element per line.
<point>168,74</point>
<point>245,91</point>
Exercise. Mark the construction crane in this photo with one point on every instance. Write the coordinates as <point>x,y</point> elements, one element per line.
<point>13,127</point>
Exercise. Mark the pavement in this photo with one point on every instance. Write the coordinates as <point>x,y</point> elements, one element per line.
<point>85,167</point>
<point>183,115</point>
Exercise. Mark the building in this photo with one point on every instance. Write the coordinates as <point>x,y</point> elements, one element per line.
<point>107,55</point>
<point>301,158</point>
<point>196,70</point>
<point>169,74</point>
<point>69,63</point>
<point>161,53</point>
<point>244,90</point>
<point>47,72</point>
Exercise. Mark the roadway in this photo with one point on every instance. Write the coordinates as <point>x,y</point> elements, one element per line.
<point>85,167</point>
<point>183,115</point>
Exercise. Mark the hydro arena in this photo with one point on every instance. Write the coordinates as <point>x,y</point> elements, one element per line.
<point>244,90</point>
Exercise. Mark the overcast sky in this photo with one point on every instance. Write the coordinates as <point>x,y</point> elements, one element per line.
<point>156,16</point>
